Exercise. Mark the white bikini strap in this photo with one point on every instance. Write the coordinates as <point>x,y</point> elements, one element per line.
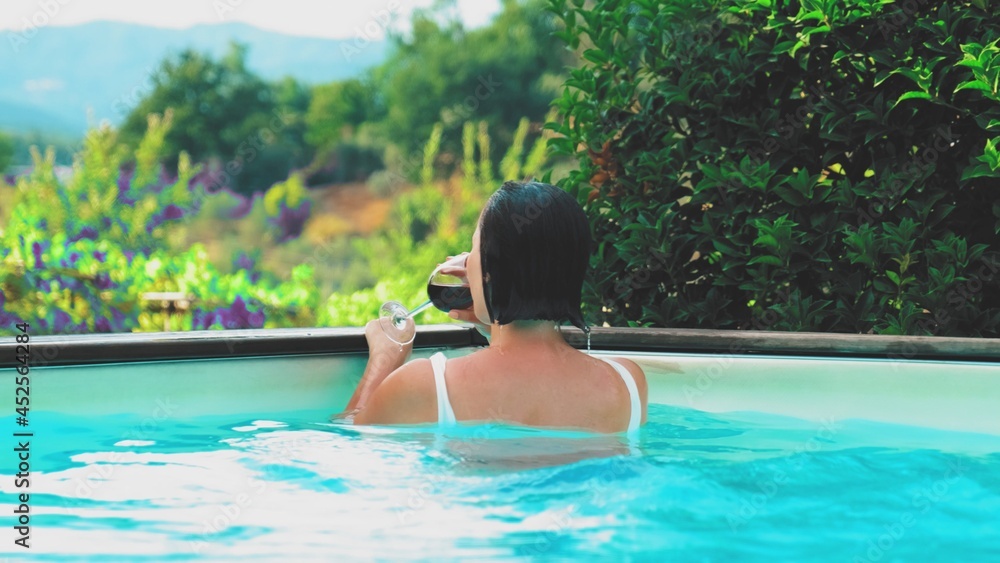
<point>635,415</point>
<point>445,413</point>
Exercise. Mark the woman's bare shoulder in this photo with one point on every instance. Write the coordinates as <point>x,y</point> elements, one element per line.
<point>637,373</point>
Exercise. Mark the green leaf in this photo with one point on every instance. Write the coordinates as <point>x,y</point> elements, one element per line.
<point>766,240</point>
<point>978,171</point>
<point>974,85</point>
<point>914,95</point>
<point>769,260</point>
<point>820,29</point>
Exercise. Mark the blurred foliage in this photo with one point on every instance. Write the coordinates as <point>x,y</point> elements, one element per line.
<point>6,151</point>
<point>338,108</point>
<point>444,74</point>
<point>77,257</point>
<point>65,147</point>
<point>810,165</point>
<point>429,223</point>
<point>225,113</point>
<point>251,134</point>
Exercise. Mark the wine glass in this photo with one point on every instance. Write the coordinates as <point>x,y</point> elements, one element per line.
<point>445,291</point>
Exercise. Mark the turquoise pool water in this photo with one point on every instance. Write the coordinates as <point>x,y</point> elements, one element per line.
<point>696,486</point>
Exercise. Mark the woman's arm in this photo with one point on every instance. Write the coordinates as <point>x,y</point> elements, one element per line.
<point>378,368</point>
<point>384,357</point>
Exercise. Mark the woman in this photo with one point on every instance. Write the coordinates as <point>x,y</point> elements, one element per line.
<point>529,255</point>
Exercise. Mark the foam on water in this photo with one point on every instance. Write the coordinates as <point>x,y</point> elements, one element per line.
<point>696,486</point>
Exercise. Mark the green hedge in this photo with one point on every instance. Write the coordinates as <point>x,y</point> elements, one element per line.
<point>813,165</point>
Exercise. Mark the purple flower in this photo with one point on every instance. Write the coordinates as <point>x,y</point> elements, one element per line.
<point>257,319</point>
<point>172,212</point>
<point>291,221</point>
<point>61,321</point>
<point>237,316</point>
<point>36,249</point>
<point>166,179</point>
<point>129,255</point>
<point>212,178</point>
<point>202,320</point>
<point>244,206</point>
<point>73,257</point>
<point>100,256</point>
<point>124,183</point>
<point>102,325</point>
<point>87,232</point>
<point>7,319</point>
<point>117,320</point>
<point>244,262</point>
<point>103,281</point>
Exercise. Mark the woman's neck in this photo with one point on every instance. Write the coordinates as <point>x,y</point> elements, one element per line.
<point>525,334</point>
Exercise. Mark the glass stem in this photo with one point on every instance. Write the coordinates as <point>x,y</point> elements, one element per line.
<point>419,309</point>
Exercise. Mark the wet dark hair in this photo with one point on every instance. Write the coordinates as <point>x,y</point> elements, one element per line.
<point>534,248</point>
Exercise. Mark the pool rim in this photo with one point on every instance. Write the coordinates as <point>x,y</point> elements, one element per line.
<point>82,349</point>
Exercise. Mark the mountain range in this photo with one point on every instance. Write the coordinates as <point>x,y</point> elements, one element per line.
<point>63,79</point>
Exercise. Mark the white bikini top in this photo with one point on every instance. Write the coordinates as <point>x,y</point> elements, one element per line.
<point>446,415</point>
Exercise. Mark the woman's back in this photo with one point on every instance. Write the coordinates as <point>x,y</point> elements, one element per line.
<point>538,388</point>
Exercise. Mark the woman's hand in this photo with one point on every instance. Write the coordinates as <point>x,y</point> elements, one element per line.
<point>469,314</point>
<point>382,351</point>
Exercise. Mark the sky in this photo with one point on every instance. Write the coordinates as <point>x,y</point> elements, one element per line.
<point>337,19</point>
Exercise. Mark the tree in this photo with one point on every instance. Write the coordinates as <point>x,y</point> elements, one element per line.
<point>224,112</point>
<point>787,165</point>
<point>6,151</point>
<point>445,73</point>
<point>337,109</point>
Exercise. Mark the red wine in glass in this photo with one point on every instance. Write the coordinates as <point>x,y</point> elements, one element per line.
<point>446,292</point>
<point>448,296</point>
